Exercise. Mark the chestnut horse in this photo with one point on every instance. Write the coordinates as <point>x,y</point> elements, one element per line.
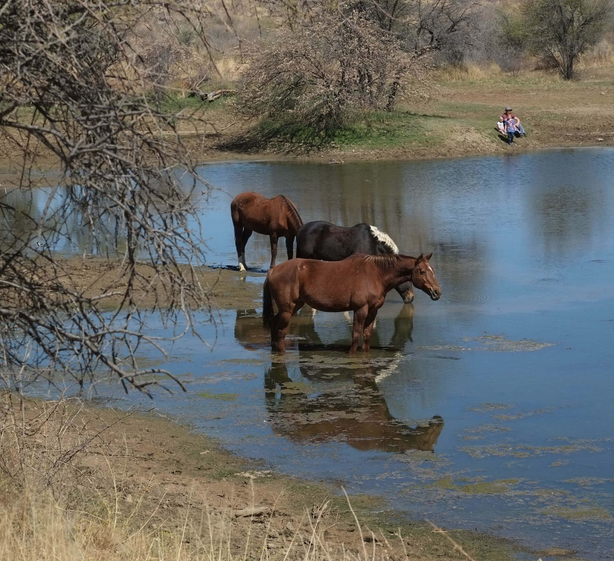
<point>329,242</point>
<point>358,283</point>
<point>276,217</point>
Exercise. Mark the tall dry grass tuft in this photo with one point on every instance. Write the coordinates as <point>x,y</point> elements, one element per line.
<point>67,493</point>
<point>36,525</point>
<point>40,439</point>
<point>469,72</point>
<point>599,56</point>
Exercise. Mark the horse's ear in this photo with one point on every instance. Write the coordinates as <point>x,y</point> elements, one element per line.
<point>428,257</point>
<point>420,257</point>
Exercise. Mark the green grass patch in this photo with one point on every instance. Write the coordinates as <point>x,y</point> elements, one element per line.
<point>376,130</point>
<point>388,129</point>
<point>476,487</point>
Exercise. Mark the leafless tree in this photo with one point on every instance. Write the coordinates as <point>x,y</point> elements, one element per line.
<point>73,88</point>
<point>434,23</point>
<point>324,72</point>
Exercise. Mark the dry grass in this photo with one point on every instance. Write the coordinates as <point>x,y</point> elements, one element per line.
<point>469,72</point>
<point>74,486</point>
<point>36,526</point>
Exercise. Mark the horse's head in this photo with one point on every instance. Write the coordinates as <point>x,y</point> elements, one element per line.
<point>423,277</point>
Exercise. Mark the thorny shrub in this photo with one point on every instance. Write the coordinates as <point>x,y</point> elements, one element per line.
<point>320,74</point>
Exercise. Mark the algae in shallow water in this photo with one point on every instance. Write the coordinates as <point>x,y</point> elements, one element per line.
<point>498,343</point>
<point>248,361</point>
<point>580,513</point>
<point>492,343</point>
<point>522,415</point>
<point>477,487</point>
<point>487,428</point>
<point>487,407</point>
<point>520,451</point>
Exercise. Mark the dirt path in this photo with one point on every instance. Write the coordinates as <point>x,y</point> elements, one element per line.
<point>227,288</point>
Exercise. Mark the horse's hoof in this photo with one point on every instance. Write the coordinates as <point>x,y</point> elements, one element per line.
<point>242,268</point>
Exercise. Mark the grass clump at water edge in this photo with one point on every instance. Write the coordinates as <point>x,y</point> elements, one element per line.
<point>373,130</point>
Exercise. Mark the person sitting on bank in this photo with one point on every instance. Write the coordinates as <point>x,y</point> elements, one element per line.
<point>519,128</point>
<point>510,128</point>
<point>500,126</point>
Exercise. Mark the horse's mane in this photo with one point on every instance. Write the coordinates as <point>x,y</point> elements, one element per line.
<point>295,218</point>
<point>383,261</point>
<point>385,239</point>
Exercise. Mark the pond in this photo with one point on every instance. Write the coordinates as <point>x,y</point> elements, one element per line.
<point>490,408</point>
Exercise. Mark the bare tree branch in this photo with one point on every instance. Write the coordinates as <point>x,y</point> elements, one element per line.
<point>71,88</point>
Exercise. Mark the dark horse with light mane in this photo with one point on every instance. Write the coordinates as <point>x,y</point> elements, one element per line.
<point>276,217</point>
<point>359,283</point>
<point>329,242</point>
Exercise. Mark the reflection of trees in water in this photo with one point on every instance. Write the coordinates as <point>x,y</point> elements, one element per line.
<point>50,218</point>
<point>252,335</point>
<point>355,413</point>
<point>19,217</point>
<point>58,219</point>
<point>395,201</point>
<point>358,196</point>
<point>566,217</point>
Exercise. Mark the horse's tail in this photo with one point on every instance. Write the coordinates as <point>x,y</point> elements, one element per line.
<point>267,305</point>
<point>295,218</point>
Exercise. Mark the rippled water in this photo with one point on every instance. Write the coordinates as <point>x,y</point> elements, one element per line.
<point>516,358</point>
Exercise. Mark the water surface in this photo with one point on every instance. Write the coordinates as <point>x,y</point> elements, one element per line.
<point>516,357</point>
<point>488,409</point>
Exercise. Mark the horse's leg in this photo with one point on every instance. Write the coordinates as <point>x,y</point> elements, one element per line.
<point>246,235</point>
<point>283,321</point>
<point>360,315</point>
<point>239,245</point>
<point>276,343</point>
<point>290,246</point>
<point>368,329</point>
<point>273,239</point>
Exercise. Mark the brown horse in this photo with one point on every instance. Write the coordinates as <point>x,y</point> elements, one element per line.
<point>276,217</point>
<point>358,283</point>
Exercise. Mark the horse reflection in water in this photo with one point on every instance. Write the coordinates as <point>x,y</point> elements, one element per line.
<point>358,416</point>
<point>251,334</point>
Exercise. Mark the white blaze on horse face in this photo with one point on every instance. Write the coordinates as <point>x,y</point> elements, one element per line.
<point>431,269</point>
<point>385,239</point>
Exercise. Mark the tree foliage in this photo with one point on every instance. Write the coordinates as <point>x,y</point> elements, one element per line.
<point>561,30</point>
<point>71,87</point>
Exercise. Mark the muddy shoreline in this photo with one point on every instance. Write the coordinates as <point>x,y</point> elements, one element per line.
<point>167,466</point>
